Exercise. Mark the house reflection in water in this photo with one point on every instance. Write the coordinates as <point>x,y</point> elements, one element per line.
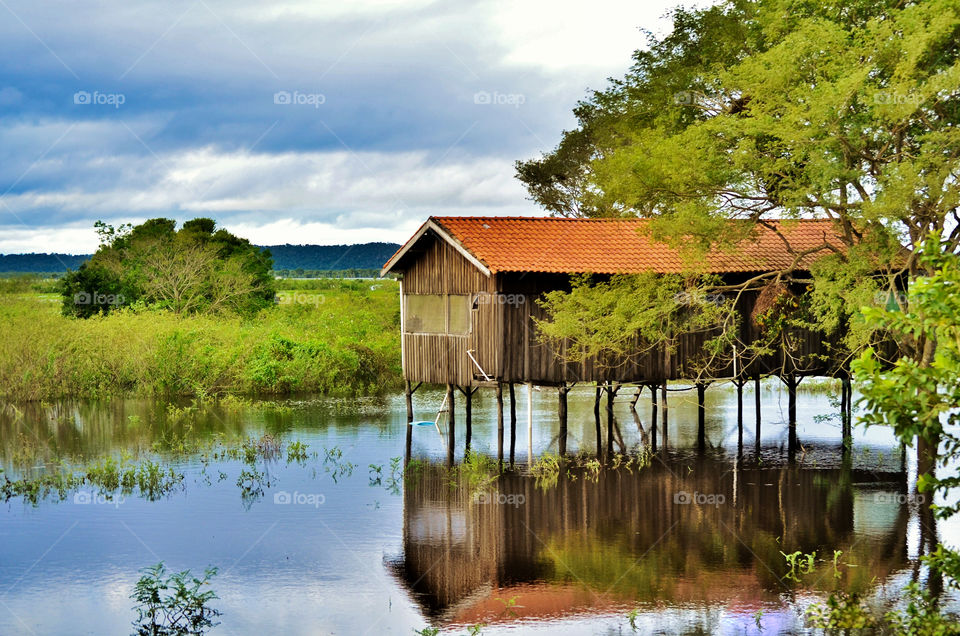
<point>686,532</point>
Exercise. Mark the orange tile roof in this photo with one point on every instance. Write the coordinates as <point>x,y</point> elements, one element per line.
<point>611,246</point>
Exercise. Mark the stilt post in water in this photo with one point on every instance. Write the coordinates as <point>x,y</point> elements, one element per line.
<point>611,394</point>
<point>530,423</point>
<point>562,414</point>
<point>468,406</point>
<point>791,382</point>
<point>596,417</point>
<point>701,416</point>
<point>408,394</point>
<point>500,422</point>
<point>513,422</point>
<point>739,416</point>
<point>653,418</point>
<point>847,412</point>
<point>665,411</point>
<point>756,399</point>
<point>451,425</point>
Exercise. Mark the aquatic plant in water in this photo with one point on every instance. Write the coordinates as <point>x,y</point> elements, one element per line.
<point>109,475</point>
<point>297,452</point>
<point>477,472</point>
<point>846,613</point>
<point>334,464</point>
<point>395,478</point>
<point>123,475</point>
<point>799,564</point>
<point>173,604</point>
<point>251,484</point>
<point>39,488</point>
<point>546,470</point>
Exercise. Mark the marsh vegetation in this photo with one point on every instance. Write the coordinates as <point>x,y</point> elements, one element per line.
<point>337,338</point>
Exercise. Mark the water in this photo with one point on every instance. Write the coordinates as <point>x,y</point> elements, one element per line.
<point>356,555</point>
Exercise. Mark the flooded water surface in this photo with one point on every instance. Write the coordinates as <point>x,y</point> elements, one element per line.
<point>318,530</point>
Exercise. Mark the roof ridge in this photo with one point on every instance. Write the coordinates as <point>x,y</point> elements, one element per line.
<point>602,219</point>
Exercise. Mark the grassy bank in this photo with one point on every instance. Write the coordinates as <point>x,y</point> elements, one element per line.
<point>339,338</point>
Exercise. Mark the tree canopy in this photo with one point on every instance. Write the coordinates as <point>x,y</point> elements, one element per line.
<point>754,110</point>
<point>779,109</point>
<point>197,268</point>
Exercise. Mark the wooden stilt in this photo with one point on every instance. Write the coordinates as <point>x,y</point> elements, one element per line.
<point>451,425</point>
<point>847,416</point>
<point>653,418</point>
<point>468,405</point>
<point>756,398</point>
<point>740,417</point>
<point>562,414</point>
<point>701,417</point>
<point>596,417</point>
<point>408,394</point>
<point>611,393</point>
<point>513,422</point>
<point>843,414</point>
<point>665,410</point>
<point>500,422</point>
<point>530,423</point>
<point>791,382</point>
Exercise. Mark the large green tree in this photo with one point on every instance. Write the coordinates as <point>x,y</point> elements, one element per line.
<point>197,268</point>
<point>753,110</point>
<point>779,109</point>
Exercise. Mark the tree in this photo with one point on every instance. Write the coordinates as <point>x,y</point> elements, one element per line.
<point>196,269</point>
<point>759,109</point>
<point>918,398</point>
<point>90,290</point>
<point>764,109</point>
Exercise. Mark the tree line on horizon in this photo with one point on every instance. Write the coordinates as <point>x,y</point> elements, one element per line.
<point>289,260</point>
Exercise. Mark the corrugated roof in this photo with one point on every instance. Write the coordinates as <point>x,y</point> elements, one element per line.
<point>612,246</point>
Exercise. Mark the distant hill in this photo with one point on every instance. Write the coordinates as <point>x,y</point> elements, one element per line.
<point>331,257</point>
<point>285,257</point>
<point>36,263</point>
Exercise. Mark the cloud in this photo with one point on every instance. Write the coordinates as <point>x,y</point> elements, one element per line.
<point>332,193</point>
<point>169,107</point>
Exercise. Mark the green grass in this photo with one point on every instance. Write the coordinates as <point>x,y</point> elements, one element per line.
<point>337,338</point>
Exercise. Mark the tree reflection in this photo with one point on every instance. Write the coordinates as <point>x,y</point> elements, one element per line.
<point>700,532</point>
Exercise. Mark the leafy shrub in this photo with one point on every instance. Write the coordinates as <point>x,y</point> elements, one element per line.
<point>173,604</point>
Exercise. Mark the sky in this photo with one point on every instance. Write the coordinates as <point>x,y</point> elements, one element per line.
<point>292,121</point>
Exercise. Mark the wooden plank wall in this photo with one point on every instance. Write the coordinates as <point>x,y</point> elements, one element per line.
<point>438,268</point>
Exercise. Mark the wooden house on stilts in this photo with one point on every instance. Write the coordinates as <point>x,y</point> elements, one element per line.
<point>469,290</point>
